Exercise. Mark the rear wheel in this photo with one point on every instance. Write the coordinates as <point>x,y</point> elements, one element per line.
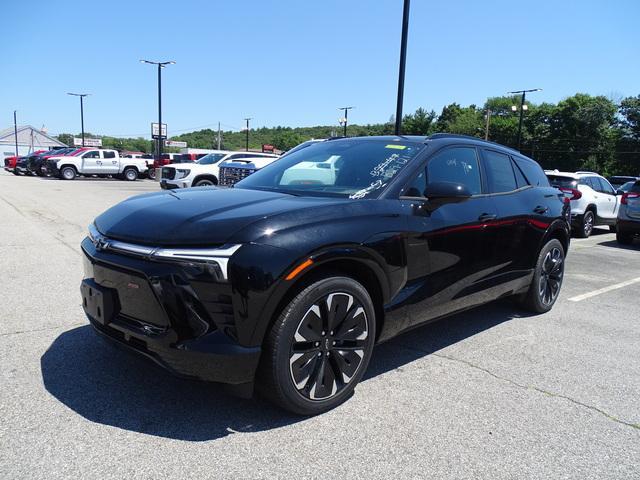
<point>624,238</point>
<point>130,174</point>
<point>319,347</point>
<point>586,225</point>
<point>547,278</point>
<point>68,173</point>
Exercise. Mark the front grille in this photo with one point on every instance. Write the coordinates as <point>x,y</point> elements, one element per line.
<point>169,173</point>
<point>232,175</point>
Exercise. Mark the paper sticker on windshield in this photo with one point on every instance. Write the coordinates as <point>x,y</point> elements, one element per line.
<point>397,147</point>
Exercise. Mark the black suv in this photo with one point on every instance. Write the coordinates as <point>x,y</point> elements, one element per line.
<point>293,275</point>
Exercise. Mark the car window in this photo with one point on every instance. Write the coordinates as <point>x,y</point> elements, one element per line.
<point>635,188</point>
<point>521,181</point>
<point>559,181</point>
<point>92,154</point>
<point>109,154</point>
<point>500,174</point>
<point>456,164</point>
<point>605,187</point>
<point>532,171</point>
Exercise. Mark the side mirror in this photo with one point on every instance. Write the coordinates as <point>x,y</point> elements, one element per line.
<point>619,192</point>
<point>447,192</point>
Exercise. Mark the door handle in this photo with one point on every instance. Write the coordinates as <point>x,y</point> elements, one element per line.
<point>541,210</point>
<point>485,217</point>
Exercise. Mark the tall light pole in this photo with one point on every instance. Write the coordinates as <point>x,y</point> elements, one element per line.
<point>522,109</point>
<point>81,95</point>
<point>403,61</point>
<point>343,121</point>
<point>247,136</point>
<point>160,65</point>
<point>15,131</point>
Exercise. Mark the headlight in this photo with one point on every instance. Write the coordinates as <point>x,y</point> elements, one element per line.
<point>219,256</point>
<point>182,173</point>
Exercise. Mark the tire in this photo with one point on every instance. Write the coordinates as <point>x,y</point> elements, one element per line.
<point>68,173</point>
<point>130,174</point>
<point>624,238</point>
<point>547,279</point>
<point>15,172</point>
<point>586,225</point>
<point>299,361</point>
<point>613,228</point>
<point>205,182</point>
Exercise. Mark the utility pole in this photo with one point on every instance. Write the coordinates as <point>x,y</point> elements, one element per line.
<point>344,120</point>
<point>522,109</point>
<point>247,138</point>
<point>81,95</point>
<point>219,136</point>
<point>160,65</point>
<point>486,128</point>
<point>15,131</point>
<point>403,61</point>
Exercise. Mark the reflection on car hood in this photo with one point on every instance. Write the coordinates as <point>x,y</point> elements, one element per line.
<point>197,216</point>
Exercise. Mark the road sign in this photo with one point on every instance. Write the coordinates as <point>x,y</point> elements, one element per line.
<point>175,143</point>
<point>155,133</point>
<point>88,142</point>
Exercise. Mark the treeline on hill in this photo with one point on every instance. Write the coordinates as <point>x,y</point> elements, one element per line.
<point>581,132</point>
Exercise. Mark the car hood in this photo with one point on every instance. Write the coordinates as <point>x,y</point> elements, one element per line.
<point>199,216</point>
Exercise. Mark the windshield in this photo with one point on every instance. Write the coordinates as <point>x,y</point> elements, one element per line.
<point>211,158</point>
<point>346,168</point>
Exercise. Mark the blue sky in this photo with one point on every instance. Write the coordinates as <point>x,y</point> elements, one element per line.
<point>294,62</point>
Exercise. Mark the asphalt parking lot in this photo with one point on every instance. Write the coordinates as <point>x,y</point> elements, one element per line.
<point>490,393</point>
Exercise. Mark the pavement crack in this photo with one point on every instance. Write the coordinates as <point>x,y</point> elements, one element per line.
<point>44,329</point>
<point>531,387</point>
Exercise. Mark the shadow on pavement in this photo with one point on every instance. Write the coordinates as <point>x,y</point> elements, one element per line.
<point>106,385</point>
<point>614,243</point>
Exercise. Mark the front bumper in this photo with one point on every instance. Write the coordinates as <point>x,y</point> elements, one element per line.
<point>168,186</point>
<point>180,317</point>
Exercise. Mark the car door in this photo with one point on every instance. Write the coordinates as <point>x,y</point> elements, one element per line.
<point>608,207</point>
<point>110,164</point>
<point>520,225</point>
<point>448,244</point>
<point>91,162</point>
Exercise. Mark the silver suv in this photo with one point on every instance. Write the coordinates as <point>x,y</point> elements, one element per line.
<point>629,215</point>
<point>593,200</point>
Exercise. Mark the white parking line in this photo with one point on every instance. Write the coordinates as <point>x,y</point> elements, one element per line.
<point>584,296</point>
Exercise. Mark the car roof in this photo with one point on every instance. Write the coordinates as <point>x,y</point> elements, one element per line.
<point>575,175</point>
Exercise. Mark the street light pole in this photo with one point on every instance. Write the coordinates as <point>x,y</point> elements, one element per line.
<point>81,95</point>
<point>344,120</point>
<point>247,135</point>
<point>160,65</point>
<point>403,61</point>
<point>522,98</point>
<point>15,131</point>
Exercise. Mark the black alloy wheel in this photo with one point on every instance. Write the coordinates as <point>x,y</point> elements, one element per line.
<point>547,278</point>
<point>550,279</point>
<point>328,346</point>
<point>319,347</point>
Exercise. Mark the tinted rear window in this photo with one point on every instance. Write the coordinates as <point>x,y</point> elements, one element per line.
<point>532,171</point>
<point>559,181</point>
<point>636,187</point>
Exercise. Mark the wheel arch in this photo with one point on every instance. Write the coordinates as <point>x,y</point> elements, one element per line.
<point>365,271</point>
<point>560,232</point>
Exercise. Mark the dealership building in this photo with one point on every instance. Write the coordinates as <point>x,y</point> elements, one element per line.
<point>30,139</point>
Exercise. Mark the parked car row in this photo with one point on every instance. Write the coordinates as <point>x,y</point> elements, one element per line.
<point>68,163</point>
<point>594,201</point>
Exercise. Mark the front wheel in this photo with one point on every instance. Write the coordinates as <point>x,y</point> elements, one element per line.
<point>319,347</point>
<point>68,173</point>
<point>205,182</point>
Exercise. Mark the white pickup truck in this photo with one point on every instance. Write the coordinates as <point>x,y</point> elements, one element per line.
<point>101,162</point>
